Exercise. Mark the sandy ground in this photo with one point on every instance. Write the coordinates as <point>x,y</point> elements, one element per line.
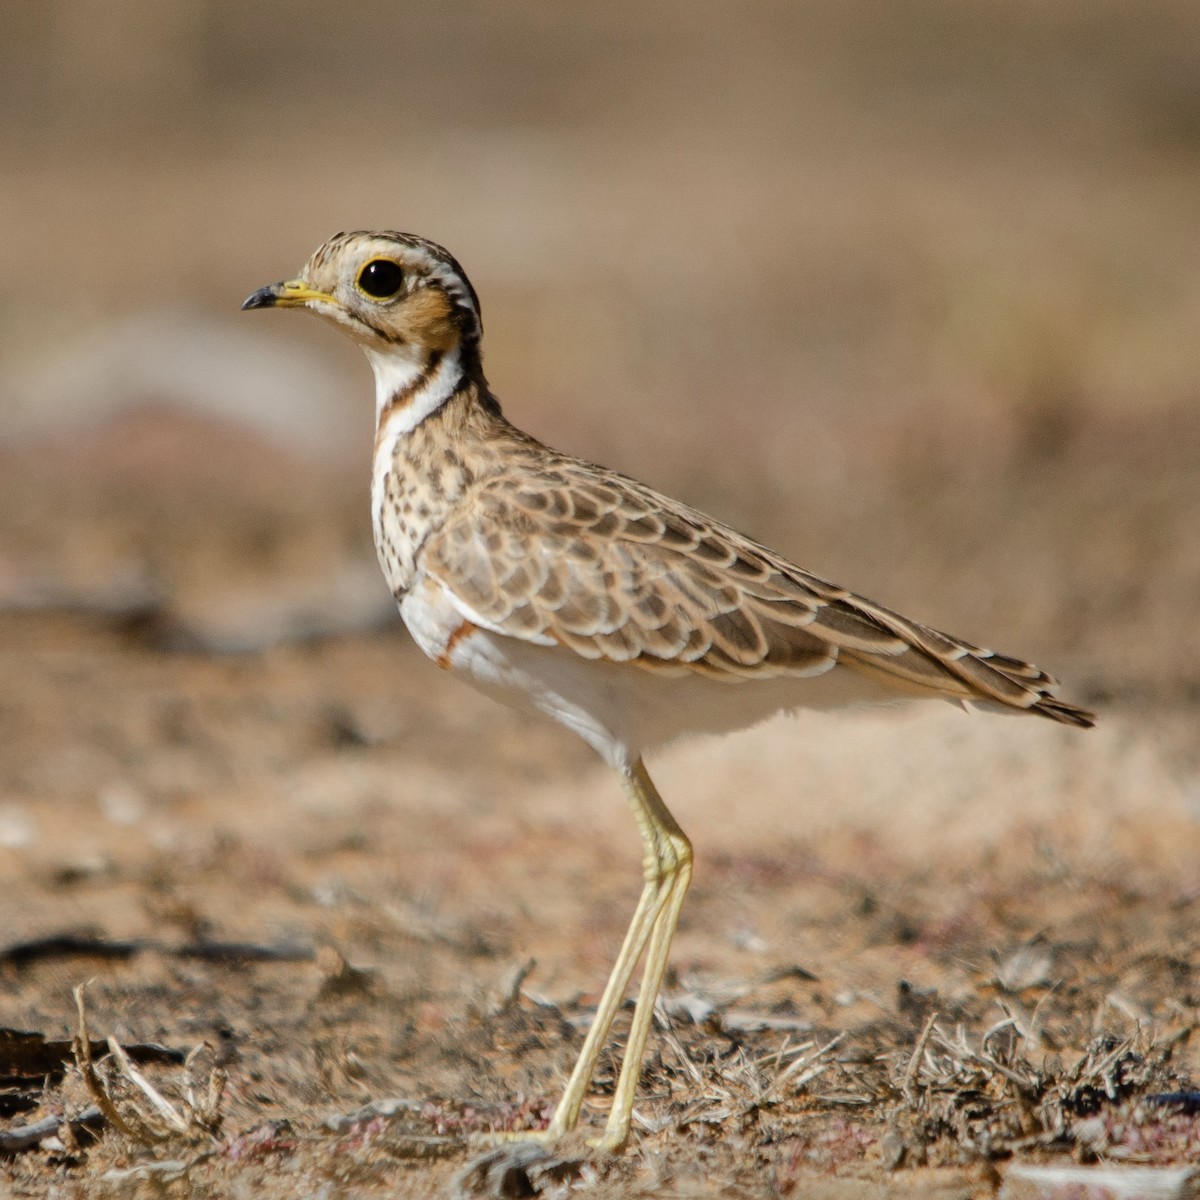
<point>908,292</point>
<point>445,882</point>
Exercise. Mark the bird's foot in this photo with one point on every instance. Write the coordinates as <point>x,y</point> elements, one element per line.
<point>506,1137</point>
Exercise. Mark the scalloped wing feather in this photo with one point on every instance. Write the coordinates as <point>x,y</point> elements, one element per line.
<point>614,571</point>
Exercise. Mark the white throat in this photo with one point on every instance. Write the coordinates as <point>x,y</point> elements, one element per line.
<point>396,374</point>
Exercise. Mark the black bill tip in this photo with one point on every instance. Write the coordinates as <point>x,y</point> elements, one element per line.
<point>266,297</point>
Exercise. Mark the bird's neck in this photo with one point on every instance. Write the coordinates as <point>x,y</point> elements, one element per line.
<point>445,391</point>
<point>409,387</point>
<point>432,443</point>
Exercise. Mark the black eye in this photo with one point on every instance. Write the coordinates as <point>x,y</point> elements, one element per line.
<point>381,279</point>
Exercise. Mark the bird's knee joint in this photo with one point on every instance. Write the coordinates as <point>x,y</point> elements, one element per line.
<point>671,856</point>
<point>656,873</point>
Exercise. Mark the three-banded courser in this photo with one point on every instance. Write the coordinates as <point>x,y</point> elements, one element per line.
<point>560,586</point>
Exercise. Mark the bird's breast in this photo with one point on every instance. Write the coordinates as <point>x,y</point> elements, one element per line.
<point>397,518</point>
<point>418,481</point>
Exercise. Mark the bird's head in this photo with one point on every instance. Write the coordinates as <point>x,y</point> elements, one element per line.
<point>403,299</point>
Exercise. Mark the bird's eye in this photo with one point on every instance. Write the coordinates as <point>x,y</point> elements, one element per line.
<point>381,279</point>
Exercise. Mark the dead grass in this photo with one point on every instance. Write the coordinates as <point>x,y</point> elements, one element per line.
<point>1056,1021</point>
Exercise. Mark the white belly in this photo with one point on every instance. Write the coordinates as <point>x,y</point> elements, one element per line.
<point>619,709</point>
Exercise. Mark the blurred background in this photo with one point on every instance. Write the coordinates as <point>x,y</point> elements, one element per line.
<point>909,291</point>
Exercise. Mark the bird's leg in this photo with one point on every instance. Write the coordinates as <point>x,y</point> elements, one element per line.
<point>669,855</point>
<point>667,868</point>
<point>668,862</point>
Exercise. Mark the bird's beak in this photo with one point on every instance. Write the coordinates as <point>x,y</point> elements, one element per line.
<point>291,293</point>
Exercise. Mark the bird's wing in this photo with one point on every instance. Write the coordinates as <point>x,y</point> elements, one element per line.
<point>588,560</point>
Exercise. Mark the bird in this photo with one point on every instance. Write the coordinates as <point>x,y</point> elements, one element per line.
<point>565,588</point>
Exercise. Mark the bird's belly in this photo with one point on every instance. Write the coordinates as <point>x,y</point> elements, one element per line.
<point>620,709</point>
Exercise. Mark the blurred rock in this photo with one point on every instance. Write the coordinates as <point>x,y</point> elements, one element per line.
<point>1025,1181</point>
<point>122,803</point>
<point>195,530</point>
<point>18,828</point>
<point>246,375</point>
<point>346,597</point>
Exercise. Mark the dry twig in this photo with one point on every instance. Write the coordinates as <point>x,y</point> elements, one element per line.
<point>82,1046</point>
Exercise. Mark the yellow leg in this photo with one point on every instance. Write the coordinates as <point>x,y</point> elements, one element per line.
<point>667,868</point>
